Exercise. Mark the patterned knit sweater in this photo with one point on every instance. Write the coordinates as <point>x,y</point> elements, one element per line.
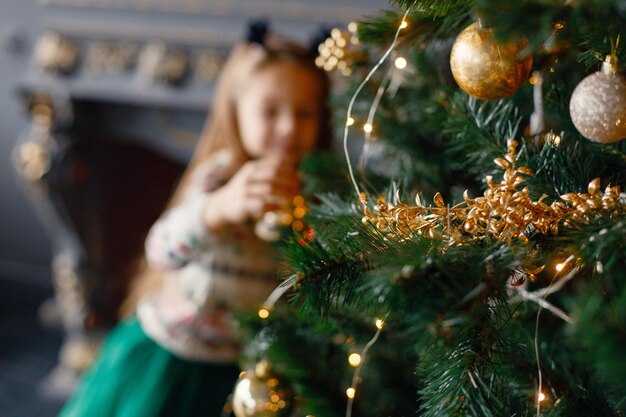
<point>206,275</point>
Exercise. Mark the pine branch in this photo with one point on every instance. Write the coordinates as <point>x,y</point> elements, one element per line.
<point>479,131</point>
<point>467,387</point>
<point>431,7</point>
<point>448,310</point>
<point>311,369</point>
<point>423,25</point>
<point>571,166</point>
<point>599,305</point>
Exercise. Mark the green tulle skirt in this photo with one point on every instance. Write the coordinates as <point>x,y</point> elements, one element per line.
<point>135,377</point>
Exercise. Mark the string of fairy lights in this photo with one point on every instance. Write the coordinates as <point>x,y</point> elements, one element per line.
<point>355,360</point>
<point>334,58</point>
<point>368,126</point>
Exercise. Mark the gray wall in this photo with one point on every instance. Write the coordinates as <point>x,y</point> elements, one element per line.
<point>24,243</point>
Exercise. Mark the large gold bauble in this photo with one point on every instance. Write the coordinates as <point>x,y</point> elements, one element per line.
<point>598,105</point>
<point>486,69</point>
<point>260,393</point>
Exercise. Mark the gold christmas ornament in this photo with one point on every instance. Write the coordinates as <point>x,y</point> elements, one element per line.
<point>260,393</point>
<point>486,69</point>
<point>598,104</point>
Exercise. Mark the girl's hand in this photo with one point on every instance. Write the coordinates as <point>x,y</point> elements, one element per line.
<point>258,186</point>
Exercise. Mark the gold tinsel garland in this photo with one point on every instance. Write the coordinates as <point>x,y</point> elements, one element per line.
<point>504,212</point>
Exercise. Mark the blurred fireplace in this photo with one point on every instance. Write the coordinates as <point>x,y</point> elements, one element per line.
<point>100,173</point>
<point>111,186</point>
<point>115,115</point>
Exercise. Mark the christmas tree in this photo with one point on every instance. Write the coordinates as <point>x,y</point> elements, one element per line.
<point>474,261</point>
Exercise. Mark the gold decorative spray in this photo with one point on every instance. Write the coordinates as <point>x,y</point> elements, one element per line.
<point>504,211</point>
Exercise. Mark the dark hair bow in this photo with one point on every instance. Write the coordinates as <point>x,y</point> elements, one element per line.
<point>257,30</point>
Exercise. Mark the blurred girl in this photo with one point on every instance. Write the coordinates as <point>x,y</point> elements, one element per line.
<point>177,355</point>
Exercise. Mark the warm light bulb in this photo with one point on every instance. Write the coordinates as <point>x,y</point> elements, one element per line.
<point>352,27</point>
<point>299,212</point>
<point>400,62</point>
<point>404,24</point>
<point>286,219</point>
<point>264,313</point>
<point>379,323</point>
<point>559,267</point>
<point>298,201</point>
<point>541,396</point>
<point>367,128</point>
<point>354,360</point>
<point>350,392</point>
<point>349,121</point>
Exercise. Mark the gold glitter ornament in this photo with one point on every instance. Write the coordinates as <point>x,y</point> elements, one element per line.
<point>340,51</point>
<point>260,393</point>
<point>598,104</point>
<point>486,69</point>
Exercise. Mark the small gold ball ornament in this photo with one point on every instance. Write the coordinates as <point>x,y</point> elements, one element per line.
<point>261,393</point>
<point>486,69</point>
<point>598,104</point>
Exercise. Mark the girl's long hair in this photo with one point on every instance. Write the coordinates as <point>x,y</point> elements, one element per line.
<point>221,132</point>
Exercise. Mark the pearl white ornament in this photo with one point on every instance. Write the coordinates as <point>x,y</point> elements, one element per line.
<point>598,104</point>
